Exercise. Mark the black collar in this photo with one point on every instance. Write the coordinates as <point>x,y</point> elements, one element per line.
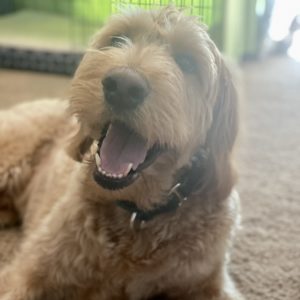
<point>188,180</point>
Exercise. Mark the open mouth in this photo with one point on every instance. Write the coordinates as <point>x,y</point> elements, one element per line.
<point>122,154</point>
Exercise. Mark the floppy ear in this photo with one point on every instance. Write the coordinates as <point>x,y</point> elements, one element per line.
<point>79,144</point>
<point>221,137</point>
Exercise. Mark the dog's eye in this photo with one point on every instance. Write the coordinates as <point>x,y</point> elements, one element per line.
<point>186,63</point>
<point>118,41</point>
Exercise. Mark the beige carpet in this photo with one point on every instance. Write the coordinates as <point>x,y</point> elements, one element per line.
<point>18,86</point>
<point>266,258</point>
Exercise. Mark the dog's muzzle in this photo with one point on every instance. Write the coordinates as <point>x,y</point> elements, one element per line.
<point>124,89</point>
<point>121,155</point>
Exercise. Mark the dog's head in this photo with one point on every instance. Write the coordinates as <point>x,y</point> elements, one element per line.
<point>151,91</point>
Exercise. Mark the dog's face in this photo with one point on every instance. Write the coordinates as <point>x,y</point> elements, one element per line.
<point>148,91</point>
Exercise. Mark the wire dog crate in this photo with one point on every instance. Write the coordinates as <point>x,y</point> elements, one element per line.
<point>202,8</point>
<point>50,35</point>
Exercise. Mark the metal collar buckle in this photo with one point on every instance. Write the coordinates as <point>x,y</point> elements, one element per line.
<point>174,191</point>
<point>133,221</point>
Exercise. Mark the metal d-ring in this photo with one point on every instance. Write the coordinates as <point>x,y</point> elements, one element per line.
<point>132,220</point>
<point>176,193</point>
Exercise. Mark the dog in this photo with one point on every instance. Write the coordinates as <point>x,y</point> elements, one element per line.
<point>126,191</point>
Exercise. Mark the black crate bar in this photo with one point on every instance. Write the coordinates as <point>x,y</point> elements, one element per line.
<point>39,60</point>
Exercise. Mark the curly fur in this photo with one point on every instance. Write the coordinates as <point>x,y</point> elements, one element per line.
<point>77,243</point>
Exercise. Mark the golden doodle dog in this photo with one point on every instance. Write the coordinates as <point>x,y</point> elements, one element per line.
<point>141,205</point>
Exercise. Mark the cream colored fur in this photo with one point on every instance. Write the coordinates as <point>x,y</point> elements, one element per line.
<point>77,243</point>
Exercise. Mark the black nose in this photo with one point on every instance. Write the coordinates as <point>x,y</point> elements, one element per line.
<point>124,89</point>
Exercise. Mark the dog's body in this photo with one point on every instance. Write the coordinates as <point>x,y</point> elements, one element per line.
<point>165,86</point>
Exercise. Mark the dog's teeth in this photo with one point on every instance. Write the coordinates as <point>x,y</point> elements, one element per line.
<point>94,147</point>
<point>112,175</point>
<point>128,169</point>
<point>98,160</point>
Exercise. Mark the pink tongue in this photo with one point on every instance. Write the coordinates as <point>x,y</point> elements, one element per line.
<point>120,148</point>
